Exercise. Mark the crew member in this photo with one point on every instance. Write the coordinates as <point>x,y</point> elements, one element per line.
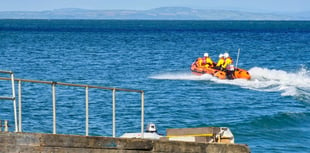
<point>228,66</point>
<point>220,62</point>
<point>206,61</point>
<point>228,61</point>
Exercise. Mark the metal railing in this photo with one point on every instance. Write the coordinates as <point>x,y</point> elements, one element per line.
<point>18,125</point>
<point>13,98</point>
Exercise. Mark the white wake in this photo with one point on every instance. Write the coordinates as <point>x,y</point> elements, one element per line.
<point>295,84</point>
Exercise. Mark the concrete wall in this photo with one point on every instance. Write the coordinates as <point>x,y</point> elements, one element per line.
<point>48,143</point>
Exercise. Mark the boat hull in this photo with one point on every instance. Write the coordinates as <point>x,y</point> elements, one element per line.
<point>238,73</point>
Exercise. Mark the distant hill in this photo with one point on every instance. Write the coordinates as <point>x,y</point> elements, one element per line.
<point>163,13</point>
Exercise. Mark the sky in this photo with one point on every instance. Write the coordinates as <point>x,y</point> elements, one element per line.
<point>242,5</point>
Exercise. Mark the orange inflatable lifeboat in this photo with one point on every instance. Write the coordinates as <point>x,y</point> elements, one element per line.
<point>237,73</point>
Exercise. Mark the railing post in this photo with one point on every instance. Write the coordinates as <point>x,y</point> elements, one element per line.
<point>86,110</point>
<point>14,101</point>
<point>54,106</point>
<point>20,105</point>
<point>6,126</point>
<point>113,113</point>
<point>142,114</point>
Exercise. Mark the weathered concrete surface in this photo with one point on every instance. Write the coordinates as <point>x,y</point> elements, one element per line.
<point>48,143</point>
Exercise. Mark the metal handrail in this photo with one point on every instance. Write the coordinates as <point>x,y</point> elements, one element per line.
<point>74,85</point>
<point>13,98</point>
<point>53,84</point>
<point>7,72</point>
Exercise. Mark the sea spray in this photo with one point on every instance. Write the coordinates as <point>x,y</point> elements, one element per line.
<point>296,84</point>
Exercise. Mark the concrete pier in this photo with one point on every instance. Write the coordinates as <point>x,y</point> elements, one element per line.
<point>48,143</point>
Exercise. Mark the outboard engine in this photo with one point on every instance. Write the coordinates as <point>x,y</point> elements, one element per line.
<point>230,67</point>
<point>230,71</point>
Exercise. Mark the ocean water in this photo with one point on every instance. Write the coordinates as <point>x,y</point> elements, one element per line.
<point>270,112</point>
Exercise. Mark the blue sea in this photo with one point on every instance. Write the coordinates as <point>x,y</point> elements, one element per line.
<point>269,113</point>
